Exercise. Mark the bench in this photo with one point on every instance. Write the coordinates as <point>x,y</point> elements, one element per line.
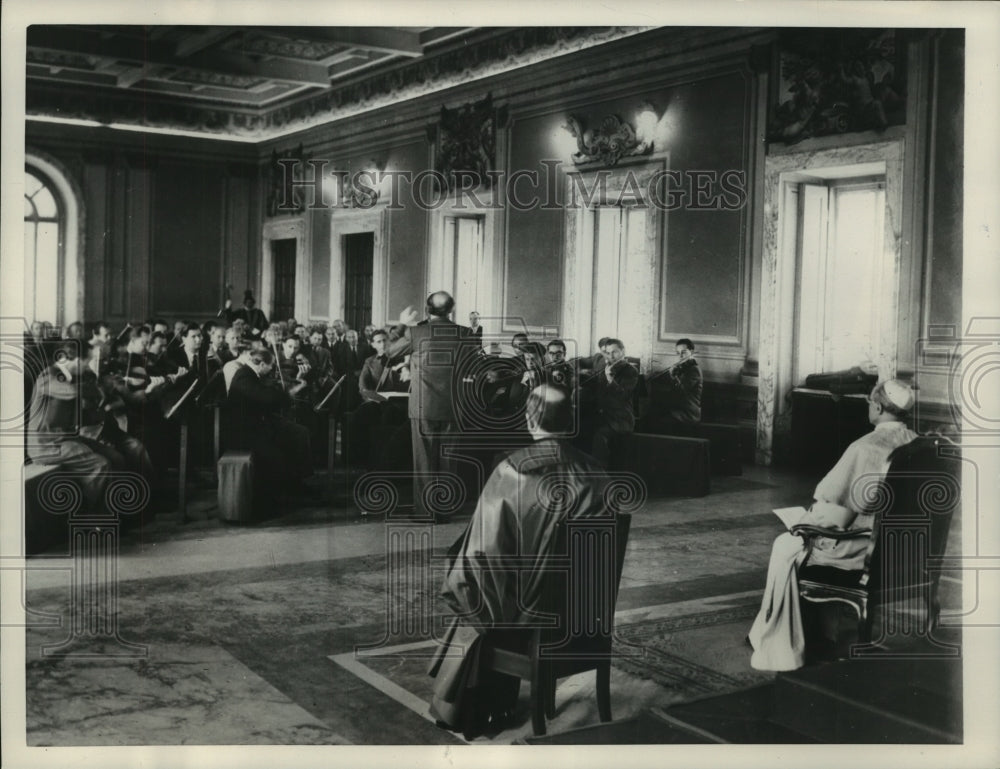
<point>668,464</point>
<point>42,528</point>
<point>727,444</point>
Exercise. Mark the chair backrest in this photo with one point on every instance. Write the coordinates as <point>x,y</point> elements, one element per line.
<point>919,494</point>
<point>584,595</point>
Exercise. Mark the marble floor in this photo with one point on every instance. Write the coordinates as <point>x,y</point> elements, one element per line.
<point>221,635</point>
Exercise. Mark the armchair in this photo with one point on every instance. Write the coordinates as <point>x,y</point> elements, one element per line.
<point>913,507</point>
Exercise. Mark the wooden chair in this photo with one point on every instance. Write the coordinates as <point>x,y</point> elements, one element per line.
<point>918,495</point>
<point>579,602</point>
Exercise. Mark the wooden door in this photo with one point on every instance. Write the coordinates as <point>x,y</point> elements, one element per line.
<point>283,266</point>
<point>359,249</point>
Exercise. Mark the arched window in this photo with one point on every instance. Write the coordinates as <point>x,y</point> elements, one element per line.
<point>44,249</point>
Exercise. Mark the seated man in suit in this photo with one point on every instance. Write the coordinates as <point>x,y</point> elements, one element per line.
<point>610,411</point>
<point>296,371</point>
<point>379,375</point>
<point>488,584</point>
<point>346,355</point>
<point>212,352</point>
<point>557,371</point>
<point>179,398</point>
<point>474,327</point>
<point>255,422</point>
<point>243,349</point>
<point>69,426</point>
<point>320,360</point>
<point>841,501</point>
<point>675,394</point>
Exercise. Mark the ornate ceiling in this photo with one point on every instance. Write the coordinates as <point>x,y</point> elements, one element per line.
<point>257,83</point>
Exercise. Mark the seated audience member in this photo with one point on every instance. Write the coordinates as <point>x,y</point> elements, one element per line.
<point>379,375</point>
<point>369,332</point>
<point>776,636</point>
<point>254,422</point>
<point>675,394</point>
<point>69,426</point>
<point>514,519</point>
<point>336,332</point>
<point>610,411</point>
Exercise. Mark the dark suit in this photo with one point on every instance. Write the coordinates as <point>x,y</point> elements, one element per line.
<point>347,362</point>
<point>370,437</point>
<point>438,349</point>
<point>612,407</point>
<point>254,423</point>
<point>675,397</point>
<point>196,369</point>
<point>321,362</point>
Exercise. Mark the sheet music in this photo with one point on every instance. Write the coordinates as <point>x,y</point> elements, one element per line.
<point>790,516</point>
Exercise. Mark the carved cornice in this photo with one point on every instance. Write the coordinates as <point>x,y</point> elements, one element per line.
<point>432,74</point>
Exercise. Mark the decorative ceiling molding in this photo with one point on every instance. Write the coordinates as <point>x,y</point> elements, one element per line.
<point>505,51</point>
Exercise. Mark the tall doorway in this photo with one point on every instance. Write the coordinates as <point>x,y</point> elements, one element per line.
<point>359,252</point>
<point>464,248</point>
<point>283,253</point>
<point>613,246</point>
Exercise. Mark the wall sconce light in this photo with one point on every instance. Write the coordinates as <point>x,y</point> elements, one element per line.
<point>613,139</point>
<point>645,125</point>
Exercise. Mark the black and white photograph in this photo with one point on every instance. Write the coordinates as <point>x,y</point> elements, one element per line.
<point>437,384</point>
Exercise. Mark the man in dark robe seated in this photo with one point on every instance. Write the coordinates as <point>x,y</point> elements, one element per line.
<point>675,394</point>
<point>517,517</point>
<point>380,377</point>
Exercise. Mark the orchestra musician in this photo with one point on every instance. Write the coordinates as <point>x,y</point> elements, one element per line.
<point>611,411</point>
<point>380,375</point>
<point>71,426</point>
<point>254,422</point>
<point>675,394</point>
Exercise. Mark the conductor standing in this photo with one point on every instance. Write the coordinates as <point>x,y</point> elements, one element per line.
<point>436,347</point>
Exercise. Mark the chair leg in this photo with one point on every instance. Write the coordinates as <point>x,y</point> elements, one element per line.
<point>539,697</point>
<point>550,697</point>
<point>538,708</point>
<point>604,690</point>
